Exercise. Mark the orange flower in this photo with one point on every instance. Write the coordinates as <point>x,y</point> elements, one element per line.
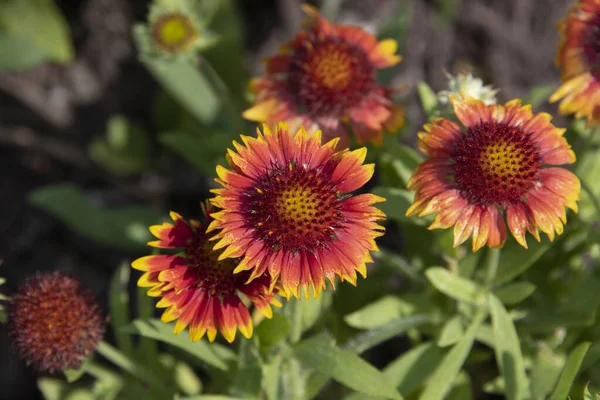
<point>579,61</point>
<point>494,168</point>
<point>287,208</point>
<point>325,78</point>
<point>197,288</point>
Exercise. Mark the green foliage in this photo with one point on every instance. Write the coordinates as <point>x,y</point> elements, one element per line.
<point>23,46</point>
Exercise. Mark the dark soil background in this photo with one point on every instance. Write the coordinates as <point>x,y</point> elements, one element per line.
<point>49,115</point>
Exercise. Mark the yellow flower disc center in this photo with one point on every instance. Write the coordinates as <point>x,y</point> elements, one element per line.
<point>333,68</point>
<point>495,164</point>
<point>294,208</point>
<point>174,32</point>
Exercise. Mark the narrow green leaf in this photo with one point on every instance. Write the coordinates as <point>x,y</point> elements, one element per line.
<point>186,83</point>
<point>592,357</point>
<point>451,332</point>
<point>538,95</point>
<point>445,374</point>
<point>376,314</point>
<point>183,375</point>
<point>428,98</point>
<point>462,387</point>
<point>320,354</point>
<point>119,307</point>
<point>569,373</point>
<point>73,375</point>
<point>147,349</point>
<point>454,286</point>
<point>212,354</point>
<point>508,352</point>
<point>312,309</point>
<point>121,227</point>
<point>364,341</point>
<point>515,292</point>
<point>209,397</point>
<point>515,260</point>
<point>51,33</point>
<point>545,371</point>
<point>271,373</point>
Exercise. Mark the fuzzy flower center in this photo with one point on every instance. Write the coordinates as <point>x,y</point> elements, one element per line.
<point>495,164</point>
<point>591,46</point>
<point>173,32</point>
<point>211,275</point>
<point>294,208</point>
<point>328,76</point>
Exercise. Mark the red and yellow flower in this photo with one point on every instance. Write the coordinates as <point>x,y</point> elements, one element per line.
<point>287,209</point>
<point>498,166</point>
<point>325,78</point>
<point>579,61</point>
<point>197,287</point>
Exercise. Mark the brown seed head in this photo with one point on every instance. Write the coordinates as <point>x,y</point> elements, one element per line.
<point>55,322</point>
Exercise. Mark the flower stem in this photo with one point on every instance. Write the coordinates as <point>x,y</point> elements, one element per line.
<point>491,265</point>
<point>590,193</point>
<point>115,356</point>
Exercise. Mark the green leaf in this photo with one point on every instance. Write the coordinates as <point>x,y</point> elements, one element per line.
<point>451,332</point>
<point>591,357</point>
<point>410,370</point>
<point>124,151</point>
<point>119,307</point>
<point>212,354</point>
<point>121,227</point>
<point>271,373</point>
<point>462,388</point>
<point>428,98</point>
<point>515,292</point>
<point>372,338</point>
<point>272,331</point>
<point>514,259</point>
<point>396,204</point>
<point>186,83</point>
<point>19,53</point>
<point>376,314</point>
<point>320,354</point>
<point>183,375</point>
<point>73,375</point>
<point>569,373</point>
<point>248,373</point>
<point>445,374</point>
<point>397,164</point>
<point>203,152</point>
<point>545,371</point>
<point>395,28</point>
<point>458,288</point>
<point>508,352</point>
<point>51,34</point>
<point>312,309</point>
<point>209,397</point>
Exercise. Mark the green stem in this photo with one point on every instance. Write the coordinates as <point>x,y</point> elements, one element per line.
<point>590,193</point>
<point>102,373</point>
<point>296,331</point>
<point>115,356</point>
<point>491,265</point>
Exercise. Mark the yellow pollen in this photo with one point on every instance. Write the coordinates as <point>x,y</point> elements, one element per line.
<point>174,32</point>
<point>260,191</point>
<point>502,159</point>
<point>333,68</point>
<point>298,203</point>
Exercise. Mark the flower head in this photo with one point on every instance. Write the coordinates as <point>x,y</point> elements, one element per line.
<point>579,61</point>
<point>197,287</point>
<point>466,85</point>
<point>173,30</point>
<point>326,77</point>
<point>54,322</point>
<point>287,208</point>
<point>497,166</point>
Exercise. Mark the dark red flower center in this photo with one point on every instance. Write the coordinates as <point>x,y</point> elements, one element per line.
<point>211,275</point>
<point>329,76</point>
<point>495,164</point>
<point>591,46</point>
<point>294,208</point>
